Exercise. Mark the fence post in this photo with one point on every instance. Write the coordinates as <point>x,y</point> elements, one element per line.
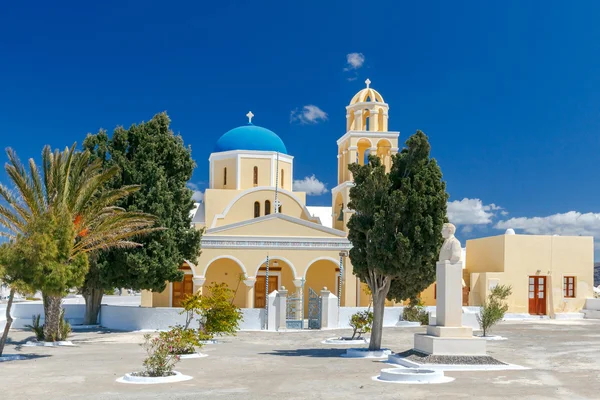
<point>282,308</point>
<point>329,309</point>
<point>272,310</point>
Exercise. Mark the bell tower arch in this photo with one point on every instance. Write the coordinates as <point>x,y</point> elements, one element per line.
<point>366,133</point>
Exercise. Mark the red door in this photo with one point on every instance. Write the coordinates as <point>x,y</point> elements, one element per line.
<point>537,295</point>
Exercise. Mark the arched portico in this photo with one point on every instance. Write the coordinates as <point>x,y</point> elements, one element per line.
<point>282,272</point>
<point>321,272</point>
<point>228,270</point>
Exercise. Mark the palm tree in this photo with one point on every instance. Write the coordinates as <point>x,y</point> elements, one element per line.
<point>69,203</point>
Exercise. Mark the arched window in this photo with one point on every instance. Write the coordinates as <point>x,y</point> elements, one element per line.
<point>267,207</point>
<point>282,177</point>
<point>225,176</point>
<point>280,208</point>
<point>255,176</point>
<point>256,209</point>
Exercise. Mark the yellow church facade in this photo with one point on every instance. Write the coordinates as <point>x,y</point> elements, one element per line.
<point>251,214</point>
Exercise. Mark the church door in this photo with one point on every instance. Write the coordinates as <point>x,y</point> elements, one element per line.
<point>182,289</point>
<point>260,289</point>
<point>537,295</point>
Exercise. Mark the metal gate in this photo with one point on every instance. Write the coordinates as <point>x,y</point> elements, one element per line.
<point>294,318</point>
<point>314,310</point>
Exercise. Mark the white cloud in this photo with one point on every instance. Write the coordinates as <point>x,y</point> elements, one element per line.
<point>309,114</point>
<point>354,61</point>
<point>311,185</point>
<point>197,194</point>
<point>471,212</point>
<point>572,223</point>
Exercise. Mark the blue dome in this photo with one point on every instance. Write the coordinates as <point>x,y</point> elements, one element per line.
<point>250,137</point>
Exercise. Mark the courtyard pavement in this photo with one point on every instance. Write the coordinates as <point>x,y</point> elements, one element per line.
<point>564,357</point>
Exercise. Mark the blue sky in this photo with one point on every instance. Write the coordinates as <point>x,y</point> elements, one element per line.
<point>507,92</point>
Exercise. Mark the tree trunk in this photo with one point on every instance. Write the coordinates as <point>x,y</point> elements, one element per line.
<point>377,329</point>
<point>52,311</point>
<point>93,301</point>
<point>9,320</point>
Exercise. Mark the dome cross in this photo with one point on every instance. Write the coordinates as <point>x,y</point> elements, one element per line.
<point>249,115</point>
<point>368,82</point>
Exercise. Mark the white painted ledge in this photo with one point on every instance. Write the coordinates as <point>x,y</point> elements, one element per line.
<point>148,380</point>
<point>347,341</point>
<point>411,376</point>
<point>193,355</point>
<point>49,344</point>
<point>365,353</point>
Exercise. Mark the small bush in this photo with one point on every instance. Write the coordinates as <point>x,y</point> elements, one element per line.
<point>416,312</point>
<point>160,361</point>
<point>180,340</point>
<point>36,328</point>
<point>493,309</point>
<point>362,323</point>
<point>64,328</point>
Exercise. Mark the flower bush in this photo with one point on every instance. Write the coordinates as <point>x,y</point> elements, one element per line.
<point>160,360</point>
<point>180,340</point>
<point>416,312</point>
<point>361,322</point>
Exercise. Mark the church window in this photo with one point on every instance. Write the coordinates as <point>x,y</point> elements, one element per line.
<point>225,176</point>
<point>256,209</point>
<point>267,207</point>
<point>255,176</point>
<point>281,177</point>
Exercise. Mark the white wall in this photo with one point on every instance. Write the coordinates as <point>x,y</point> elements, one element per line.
<point>22,313</point>
<point>129,318</point>
<point>391,315</point>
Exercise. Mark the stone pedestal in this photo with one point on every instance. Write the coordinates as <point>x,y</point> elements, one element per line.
<point>448,337</point>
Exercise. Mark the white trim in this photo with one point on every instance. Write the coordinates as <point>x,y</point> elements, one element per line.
<point>299,221</point>
<point>238,183</point>
<point>342,186</point>
<point>239,263</point>
<point>248,154</point>
<point>336,262</point>
<point>242,242</point>
<point>256,189</point>
<point>277,258</point>
<point>192,267</point>
<point>363,104</point>
<point>354,133</point>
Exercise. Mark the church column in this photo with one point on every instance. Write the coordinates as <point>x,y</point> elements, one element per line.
<point>358,126</point>
<point>198,283</point>
<point>352,154</point>
<point>249,282</point>
<point>384,128</point>
<point>374,120</point>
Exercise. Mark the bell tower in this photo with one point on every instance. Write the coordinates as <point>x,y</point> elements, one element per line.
<point>366,133</point>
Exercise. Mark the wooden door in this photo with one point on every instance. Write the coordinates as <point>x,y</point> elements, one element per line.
<point>537,295</point>
<point>182,289</point>
<point>259,289</point>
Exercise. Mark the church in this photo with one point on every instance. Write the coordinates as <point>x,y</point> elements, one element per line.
<point>260,235</point>
<point>252,215</point>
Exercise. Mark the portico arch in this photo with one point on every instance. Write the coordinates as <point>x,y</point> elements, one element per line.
<point>282,272</point>
<point>228,270</point>
<point>321,272</point>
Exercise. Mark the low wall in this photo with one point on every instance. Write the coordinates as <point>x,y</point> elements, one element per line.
<point>131,318</point>
<point>391,315</point>
<point>22,313</point>
<point>592,304</point>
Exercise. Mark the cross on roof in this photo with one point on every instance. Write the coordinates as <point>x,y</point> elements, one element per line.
<point>368,82</point>
<point>249,115</point>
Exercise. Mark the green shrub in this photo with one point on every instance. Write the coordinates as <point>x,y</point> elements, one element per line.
<point>37,329</point>
<point>493,309</point>
<point>159,361</point>
<point>361,322</point>
<point>180,340</point>
<point>416,312</point>
<point>64,328</point>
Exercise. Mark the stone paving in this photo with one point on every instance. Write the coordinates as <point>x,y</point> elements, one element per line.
<point>564,357</point>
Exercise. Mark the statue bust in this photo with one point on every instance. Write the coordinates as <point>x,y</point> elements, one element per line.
<point>451,250</point>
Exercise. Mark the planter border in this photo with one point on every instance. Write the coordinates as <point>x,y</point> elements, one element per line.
<point>149,380</point>
<point>365,353</point>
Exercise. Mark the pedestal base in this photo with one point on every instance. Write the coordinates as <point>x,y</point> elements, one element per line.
<point>450,331</point>
<point>450,346</point>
